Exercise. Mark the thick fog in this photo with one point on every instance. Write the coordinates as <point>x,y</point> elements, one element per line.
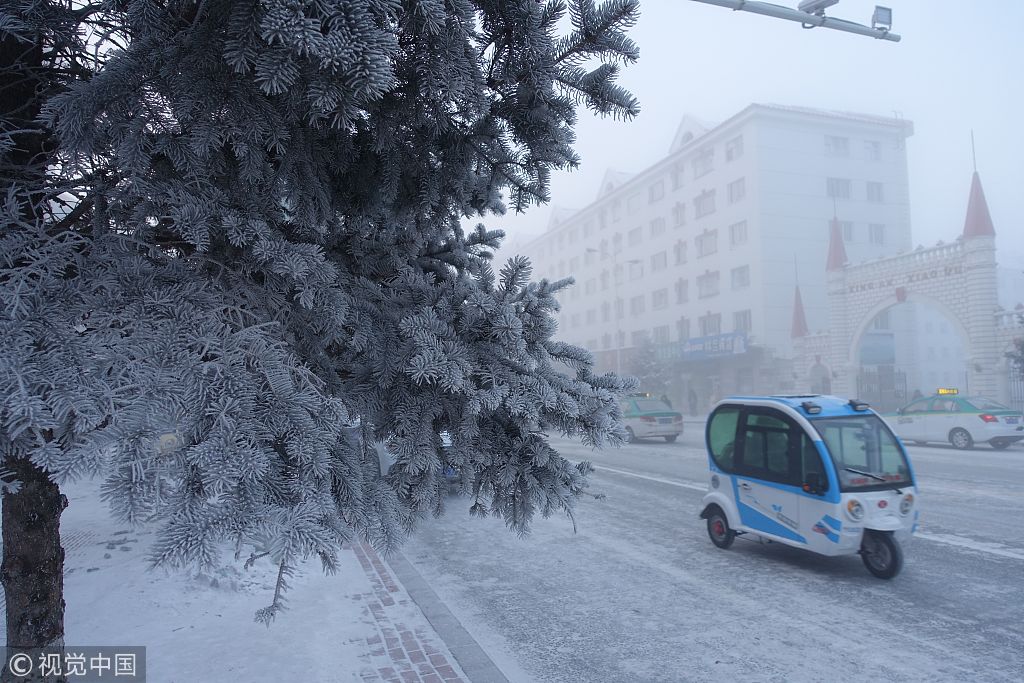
<point>956,69</point>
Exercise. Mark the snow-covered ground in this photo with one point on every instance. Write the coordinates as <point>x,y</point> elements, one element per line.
<point>199,627</point>
<point>640,593</point>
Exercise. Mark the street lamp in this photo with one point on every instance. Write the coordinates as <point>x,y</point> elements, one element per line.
<point>811,13</point>
<point>615,293</point>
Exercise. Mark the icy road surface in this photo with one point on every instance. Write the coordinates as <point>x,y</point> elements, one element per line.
<point>641,594</point>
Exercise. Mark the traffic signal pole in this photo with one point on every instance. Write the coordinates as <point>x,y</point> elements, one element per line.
<point>806,19</point>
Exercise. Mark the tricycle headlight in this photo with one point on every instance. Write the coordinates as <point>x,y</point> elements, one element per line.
<point>907,504</point>
<point>855,510</point>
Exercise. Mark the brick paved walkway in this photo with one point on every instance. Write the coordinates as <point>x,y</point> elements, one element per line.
<point>397,653</point>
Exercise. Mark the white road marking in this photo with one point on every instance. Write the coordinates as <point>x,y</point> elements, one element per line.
<point>670,482</point>
<point>946,539</point>
<point>971,544</point>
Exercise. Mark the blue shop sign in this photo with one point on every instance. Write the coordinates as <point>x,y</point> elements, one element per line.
<point>714,346</point>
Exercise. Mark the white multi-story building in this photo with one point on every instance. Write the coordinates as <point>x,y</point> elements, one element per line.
<point>700,253</point>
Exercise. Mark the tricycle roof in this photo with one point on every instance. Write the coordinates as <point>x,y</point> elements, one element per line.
<point>809,405</point>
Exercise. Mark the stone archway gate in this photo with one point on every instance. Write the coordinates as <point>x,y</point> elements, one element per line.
<point>959,279</point>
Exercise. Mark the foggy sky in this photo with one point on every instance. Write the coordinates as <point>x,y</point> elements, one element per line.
<point>956,68</point>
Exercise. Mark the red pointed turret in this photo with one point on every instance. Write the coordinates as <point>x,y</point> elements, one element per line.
<point>836,250</point>
<point>979,221</point>
<point>799,319</point>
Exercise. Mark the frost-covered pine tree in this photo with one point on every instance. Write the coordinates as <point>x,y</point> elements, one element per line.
<point>264,245</point>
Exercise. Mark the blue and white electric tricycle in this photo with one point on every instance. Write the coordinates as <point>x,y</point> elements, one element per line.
<point>814,472</point>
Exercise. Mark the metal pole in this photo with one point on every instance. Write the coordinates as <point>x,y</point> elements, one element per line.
<point>618,321</point>
<point>806,19</point>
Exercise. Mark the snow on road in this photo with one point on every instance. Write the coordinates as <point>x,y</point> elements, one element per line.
<point>639,593</point>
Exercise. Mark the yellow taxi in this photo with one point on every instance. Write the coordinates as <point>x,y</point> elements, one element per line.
<point>959,420</point>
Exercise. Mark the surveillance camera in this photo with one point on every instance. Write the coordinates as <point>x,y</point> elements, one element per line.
<point>815,6</point>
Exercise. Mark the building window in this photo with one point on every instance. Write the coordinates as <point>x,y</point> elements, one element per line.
<point>741,277</point>
<point>616,243</point>
<point>606,341</point>
<point>659,261</point>
<point>620,309</point>
<point>707,285</point>
<point>710,324</point>
<point>633,204</point>
<point>838,188</point>
<point>591,316</point>
<point>658,227</point>
<point>561,269</point>
<point>738,233</point>
<point>679,214</point>
<point>741,321</point>
<point>636,305</point>
<point>734,148</point>
<point>837,146</point>
<point>873,150</point>
<point>876,233</point>
<point>704,203</point>
<point>707,243</point>
<point>659,299</point>
<point>588,229</point>
<point>661,334</point>
<point>737,190</point>
<point>677,176</point>
<point>591,286</point>
<point>656,192</point>
<point>881,321</point>
<point>606,312</point>
<point>573,234</point>
<point>847,229</point>
<point>875,193</point>
<point>605,277</point>
<point>589,257</point>
<point>635,236</point>
<point>683,329</point>
<point>680,251</point>
<point>574,264</point>
<point>639,337</point>
<point>602,218</point>
<point>682,291</point>
<point>704,162</point>
<point>616,210</point>
<point>636,270</point>
<point>574,320</point>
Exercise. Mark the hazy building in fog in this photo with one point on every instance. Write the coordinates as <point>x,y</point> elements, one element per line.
<point>700,254</point>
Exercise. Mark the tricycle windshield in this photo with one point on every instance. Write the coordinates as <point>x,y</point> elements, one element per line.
<point>866,454</point>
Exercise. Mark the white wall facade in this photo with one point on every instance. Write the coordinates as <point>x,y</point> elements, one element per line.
<point>767,168</point>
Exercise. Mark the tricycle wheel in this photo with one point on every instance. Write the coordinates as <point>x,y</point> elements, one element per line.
<point>882,554</point>
<point>718,528</point>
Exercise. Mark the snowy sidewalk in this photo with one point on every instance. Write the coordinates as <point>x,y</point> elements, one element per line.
<point>359,625</point>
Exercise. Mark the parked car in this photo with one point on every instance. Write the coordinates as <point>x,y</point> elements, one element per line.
<point>647,417</point>
<point>960,420</point>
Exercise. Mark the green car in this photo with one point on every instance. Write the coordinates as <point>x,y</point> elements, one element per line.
<point>959,420</point>
<point>647,417</point>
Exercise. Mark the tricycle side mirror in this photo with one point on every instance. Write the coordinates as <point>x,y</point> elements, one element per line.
<point>815,483</point>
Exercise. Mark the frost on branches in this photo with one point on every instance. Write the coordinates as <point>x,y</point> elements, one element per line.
<point>266,248</point>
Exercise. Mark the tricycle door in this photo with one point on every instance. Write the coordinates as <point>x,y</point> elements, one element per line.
<point>766,486</point>
<point>820,508</point>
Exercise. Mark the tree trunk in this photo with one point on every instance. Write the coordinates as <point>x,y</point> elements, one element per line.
<point>32,572</point>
